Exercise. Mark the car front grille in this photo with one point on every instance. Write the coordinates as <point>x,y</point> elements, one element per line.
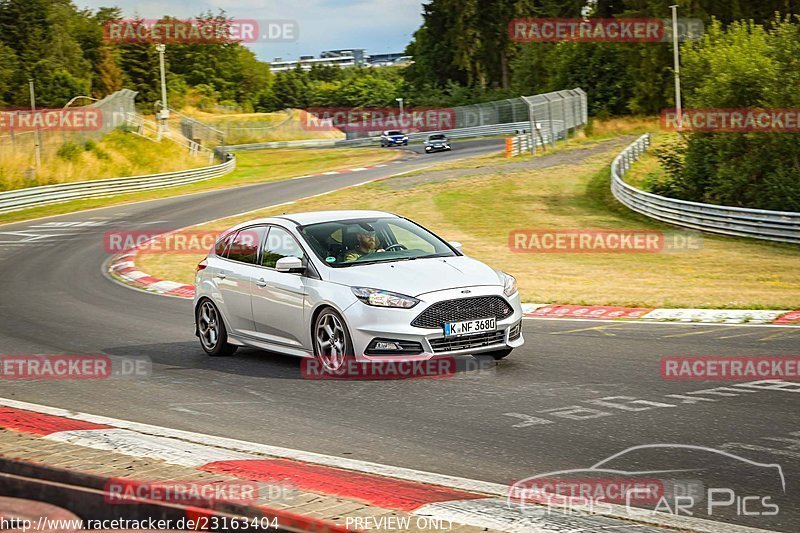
<point>449,344</point>
<point>461,309</point>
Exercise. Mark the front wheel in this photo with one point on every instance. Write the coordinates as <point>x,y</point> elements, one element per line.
<point>332,344</point>
<point>211,330</point>
<point>500,354</point>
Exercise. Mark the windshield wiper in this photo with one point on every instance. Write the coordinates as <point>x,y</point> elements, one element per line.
<point>443,254</point>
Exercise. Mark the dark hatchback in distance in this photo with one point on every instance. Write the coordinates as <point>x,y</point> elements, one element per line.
<point>436,142</point>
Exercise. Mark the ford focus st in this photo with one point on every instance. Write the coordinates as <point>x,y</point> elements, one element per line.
<point>343,285</point>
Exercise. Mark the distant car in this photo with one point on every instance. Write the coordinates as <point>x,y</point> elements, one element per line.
<point>344,285</point>
<point>436,142</point>
<point>394,138</point>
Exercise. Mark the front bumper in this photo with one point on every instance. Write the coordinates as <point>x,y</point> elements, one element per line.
<point>436,148</point>
<point>367,323</point>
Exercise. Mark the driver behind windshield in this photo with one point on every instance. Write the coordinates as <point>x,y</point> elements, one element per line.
<point>366,242</point>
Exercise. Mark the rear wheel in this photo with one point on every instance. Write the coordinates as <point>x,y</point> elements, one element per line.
<point>332,344</point>
<point>500,354</point>
<point>211,330</point>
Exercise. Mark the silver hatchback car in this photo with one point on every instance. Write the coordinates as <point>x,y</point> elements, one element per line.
<point>351,285</point>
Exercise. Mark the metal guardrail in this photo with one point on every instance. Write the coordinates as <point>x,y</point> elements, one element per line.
<point>63,192</point>
<point>518,144</point>
<point>556,112</point>
<point>479,131</point>
<point>780,226</point>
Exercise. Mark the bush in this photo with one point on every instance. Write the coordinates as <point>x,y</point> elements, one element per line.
<point>70,151</point>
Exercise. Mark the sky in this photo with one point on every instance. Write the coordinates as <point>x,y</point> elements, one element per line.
<point>379,26</point>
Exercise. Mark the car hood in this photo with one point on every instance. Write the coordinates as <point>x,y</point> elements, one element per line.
<point>419,276</point>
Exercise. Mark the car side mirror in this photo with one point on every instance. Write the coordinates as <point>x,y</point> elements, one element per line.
<point>457,246</point>
<point>290,265</point>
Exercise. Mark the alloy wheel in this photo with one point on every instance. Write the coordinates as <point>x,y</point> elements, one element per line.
<point>208,324</point>
<point>331,342</point>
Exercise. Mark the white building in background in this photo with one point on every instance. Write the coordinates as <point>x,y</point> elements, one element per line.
<point>341,58</point>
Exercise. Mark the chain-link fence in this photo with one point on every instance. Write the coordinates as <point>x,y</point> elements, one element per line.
<point>553,115</point>
<point>232,129</point>
<point>545,117</point>
<point>29,137</point>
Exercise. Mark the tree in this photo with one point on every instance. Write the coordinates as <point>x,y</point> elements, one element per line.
<point>744,66</point>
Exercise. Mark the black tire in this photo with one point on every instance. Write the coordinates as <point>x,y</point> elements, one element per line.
<point>211,330</point>
<point>500,354</point>
<point>338,351</point>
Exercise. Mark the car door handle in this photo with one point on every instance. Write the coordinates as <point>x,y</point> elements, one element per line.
<point>261,282</point>
<point>220,275</point>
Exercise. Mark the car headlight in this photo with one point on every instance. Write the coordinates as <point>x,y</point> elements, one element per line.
<point>509,283</point>
<point>405,137</point>
<point>380,298</point>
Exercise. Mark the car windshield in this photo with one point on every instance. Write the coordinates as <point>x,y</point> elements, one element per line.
<point>394,133</point>
<point>362,241</point>
<point>437,137</point>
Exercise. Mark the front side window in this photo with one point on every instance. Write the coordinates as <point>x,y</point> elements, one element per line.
<point>280,243</point>
<point>363,241</point>
<point>244,246</point>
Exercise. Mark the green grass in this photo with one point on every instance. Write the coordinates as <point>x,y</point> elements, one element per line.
<point>252,167</point>
<point>117,154</point>
<point>245,128</point>
<point>481,211</point>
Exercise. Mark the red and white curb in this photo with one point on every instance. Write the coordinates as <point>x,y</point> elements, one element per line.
<point>348,170</point>
<point>124,267</point>
<point>424,494</point>
<point>649,314</point>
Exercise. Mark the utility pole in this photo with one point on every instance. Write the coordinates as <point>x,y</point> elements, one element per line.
<point>677,56</point>
<point>163,113</point>
<point>36,141</point>
<point>400,101</point>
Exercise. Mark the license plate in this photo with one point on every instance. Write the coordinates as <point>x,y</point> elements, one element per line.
<point>470,327</point>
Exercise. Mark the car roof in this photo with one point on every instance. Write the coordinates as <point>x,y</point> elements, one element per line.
<point>316,217</point>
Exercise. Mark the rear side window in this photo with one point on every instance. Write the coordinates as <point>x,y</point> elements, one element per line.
<point>222,244</point>
<point>244,246</point>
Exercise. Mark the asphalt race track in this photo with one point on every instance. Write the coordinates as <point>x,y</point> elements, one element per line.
<point>575,394</point>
